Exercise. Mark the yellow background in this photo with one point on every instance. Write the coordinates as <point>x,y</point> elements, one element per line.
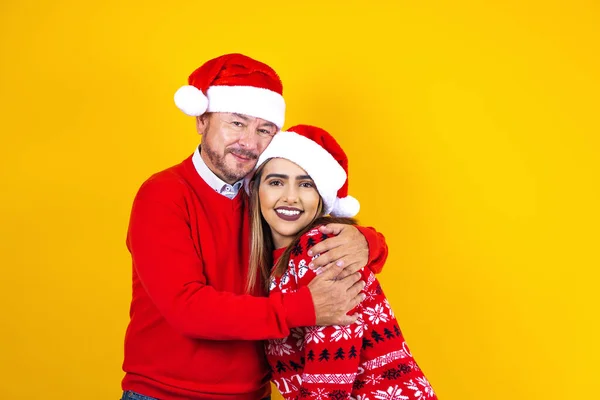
<point>472,130</point>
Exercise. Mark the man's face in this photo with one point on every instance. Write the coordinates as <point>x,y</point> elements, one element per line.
<point>231,143</point>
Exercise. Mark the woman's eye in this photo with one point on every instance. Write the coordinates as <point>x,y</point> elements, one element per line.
<point>275,183</point>
<point>307,184</point>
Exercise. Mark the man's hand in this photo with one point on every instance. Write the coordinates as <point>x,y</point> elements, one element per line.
<point>334,298</point>
<point>347,251</point>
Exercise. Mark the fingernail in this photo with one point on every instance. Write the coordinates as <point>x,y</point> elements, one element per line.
<point>310,253</point>
<point>311,266</point>
<point>318,271</point>
<point>340,263</point>
<point>363,296</point>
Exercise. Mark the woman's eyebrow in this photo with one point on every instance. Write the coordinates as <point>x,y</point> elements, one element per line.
<point>282,176</point>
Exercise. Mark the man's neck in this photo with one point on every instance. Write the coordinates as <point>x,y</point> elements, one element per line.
<point>212,168</point>
<point>212,179</point>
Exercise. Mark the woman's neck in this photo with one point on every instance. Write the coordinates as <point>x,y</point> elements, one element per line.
<point>281,241</point>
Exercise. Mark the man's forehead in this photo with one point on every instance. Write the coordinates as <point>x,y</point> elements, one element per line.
<point>249,118</point>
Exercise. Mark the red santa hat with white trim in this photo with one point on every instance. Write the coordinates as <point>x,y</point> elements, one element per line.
<point>234,83</point>
<point>320,155</point>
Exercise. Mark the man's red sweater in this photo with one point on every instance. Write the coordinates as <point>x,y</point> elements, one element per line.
<point>193,333</point>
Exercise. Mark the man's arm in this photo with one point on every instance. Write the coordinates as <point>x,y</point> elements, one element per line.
<point>350,250</point>
<point>170,270</point>
<point>378,250</point>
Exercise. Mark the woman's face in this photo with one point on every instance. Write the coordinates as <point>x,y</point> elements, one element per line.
<point>289,200</point>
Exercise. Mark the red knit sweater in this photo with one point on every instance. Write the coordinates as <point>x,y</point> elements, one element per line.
<point>193,334</point>
<point>365,360</point>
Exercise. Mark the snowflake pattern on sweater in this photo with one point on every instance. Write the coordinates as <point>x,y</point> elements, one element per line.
<point>368,360</point>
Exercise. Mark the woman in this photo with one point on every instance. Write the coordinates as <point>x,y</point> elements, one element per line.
<point>299,184</point>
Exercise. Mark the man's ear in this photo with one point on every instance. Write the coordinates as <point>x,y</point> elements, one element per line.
<point>202,123</point>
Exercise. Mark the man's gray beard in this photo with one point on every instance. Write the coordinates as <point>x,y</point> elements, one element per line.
<point>219,163</point>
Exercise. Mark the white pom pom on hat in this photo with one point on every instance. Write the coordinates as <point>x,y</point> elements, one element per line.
<point>345,207</point>
<point>191,100</point>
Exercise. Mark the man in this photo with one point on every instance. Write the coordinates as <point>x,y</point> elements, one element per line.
<point>194,333</point>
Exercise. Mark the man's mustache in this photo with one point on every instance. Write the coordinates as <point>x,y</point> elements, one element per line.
<point>244,153</point>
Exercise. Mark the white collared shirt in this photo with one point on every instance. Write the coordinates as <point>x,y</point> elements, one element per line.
<point>220,186</point>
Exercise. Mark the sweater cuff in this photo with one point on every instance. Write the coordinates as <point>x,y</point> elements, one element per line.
<point>299,307</point>
<point>372,242</point>
<point>377,248</point>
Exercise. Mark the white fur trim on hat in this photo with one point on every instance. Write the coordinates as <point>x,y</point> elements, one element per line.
<point>249,100</point>
<point>345,207</point>
<point>326,172</point>
<point>191,100</point>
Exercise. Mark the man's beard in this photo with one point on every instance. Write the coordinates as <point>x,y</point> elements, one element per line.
<point>225,173</point>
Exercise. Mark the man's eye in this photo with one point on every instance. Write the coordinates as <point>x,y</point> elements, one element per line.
<point>237,123</point>
<point>265,132</point>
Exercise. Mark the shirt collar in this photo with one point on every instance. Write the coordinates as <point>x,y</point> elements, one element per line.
<point>220,186</point>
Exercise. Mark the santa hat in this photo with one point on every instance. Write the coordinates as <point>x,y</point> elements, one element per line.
<point>316,152</point>
<point>234,83</point>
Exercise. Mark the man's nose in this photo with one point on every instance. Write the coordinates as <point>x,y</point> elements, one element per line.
<point>248,139</point>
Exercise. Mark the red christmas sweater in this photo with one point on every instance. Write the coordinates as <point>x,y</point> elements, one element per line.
<point>365,360</point>
<point>193,333</point>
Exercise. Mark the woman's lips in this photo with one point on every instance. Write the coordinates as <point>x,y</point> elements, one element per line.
<point>288,214</point>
